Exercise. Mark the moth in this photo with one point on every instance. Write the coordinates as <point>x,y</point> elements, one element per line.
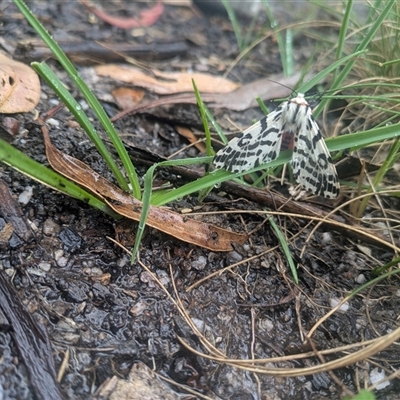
<point>311,162</point>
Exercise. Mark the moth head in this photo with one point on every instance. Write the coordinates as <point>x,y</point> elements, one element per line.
<point>300,100</point>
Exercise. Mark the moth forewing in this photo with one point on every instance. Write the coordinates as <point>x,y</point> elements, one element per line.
<point>257,145</point>
<point>261,143</point>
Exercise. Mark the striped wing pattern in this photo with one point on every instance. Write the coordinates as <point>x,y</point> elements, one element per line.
<point>261,143</point>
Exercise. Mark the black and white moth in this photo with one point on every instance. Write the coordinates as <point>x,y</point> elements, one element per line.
<point>261,143</point>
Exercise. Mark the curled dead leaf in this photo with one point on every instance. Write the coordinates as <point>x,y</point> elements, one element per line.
<point>12,213</point>
<point>191,137</point>
<point>127,97</point>
<point>240,99</point>
<point>167,82</point>
<point>146,18</point>
<point>6,233</point>
<point>177,225</point>
<point>7,81</point>
<point>19,86</point>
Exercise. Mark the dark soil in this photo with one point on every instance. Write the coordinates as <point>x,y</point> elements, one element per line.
<point>105,316</point>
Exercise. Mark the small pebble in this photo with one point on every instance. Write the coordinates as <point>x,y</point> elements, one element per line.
<point>50,228</point>
<point>33,226</point>
<point>200,324</point>
<point>234,257</point>
<point>10,271</point>
<point>84,105</point>
<point>334,302</point>
<point>326,238</point>
<point>58,254</point>
<point>364,249</point>
<point>200,263</point>
<point>35,271</point>
<point>25,196</point>
<point>138,308</point>
<point>265,324</point>
<point>44,266</point>
<point>54,102</point>
<point>163,277</point>
<point>95,271</point>
<point>377,375</point>
<point>361,279</point>
<point>62,262</point>
<point>53,122</point>
<point>265,264</point>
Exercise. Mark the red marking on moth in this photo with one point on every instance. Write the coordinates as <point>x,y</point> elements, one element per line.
<point>287,141</point>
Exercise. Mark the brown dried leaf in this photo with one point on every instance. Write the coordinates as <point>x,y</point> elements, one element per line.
<point>191,137</point>
<point>177,225</point>
<point>19,86</point>
<point>10,125</point>
<point>167,82</point>
<point>238,100</point>
<point>5,233</point>
<point>12,213</point>
<point>141,383</point>
<point>127,97</point>
<point>146,18</point>
<point>7,81</point>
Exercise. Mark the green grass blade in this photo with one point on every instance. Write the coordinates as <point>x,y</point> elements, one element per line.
<point>283,51</point>
<point>391,62</point>
<point>147,189</point>
<point>289,53</point>
<point>361,139</point>
<point>363,394</point>
<point>90,98</point>
<point>285,248</point>
<point>322,74</point>
<point>379,270</point>
<point>343,32</point>
<point>29,167</point>
<point>147,196</point>
<point>374,281</point>
<point>250,31</point>
<point>215,125</point>
<point>372,12</point>
<point>74,107</point>
<point>364,43</point>
<point>203,115</point>
<point>209,150</point>
<point>261,104</point>
<point>380,174</point>
<point>367,38</point>
<point>235,23</point>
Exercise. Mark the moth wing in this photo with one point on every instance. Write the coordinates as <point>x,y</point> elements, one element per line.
<point>257,145</point>
<point>311,162</point>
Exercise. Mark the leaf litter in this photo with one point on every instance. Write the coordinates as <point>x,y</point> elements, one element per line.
<point>177,225</point>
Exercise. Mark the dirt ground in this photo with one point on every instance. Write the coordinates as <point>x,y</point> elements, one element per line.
<point>111,329</point>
